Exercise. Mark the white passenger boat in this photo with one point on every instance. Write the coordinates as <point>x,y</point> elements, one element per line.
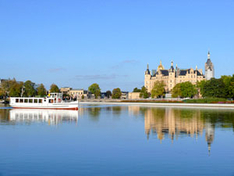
<point>52,101</point>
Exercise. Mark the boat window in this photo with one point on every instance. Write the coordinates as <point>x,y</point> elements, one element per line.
<point>35,100</point>
<point>30,100</point>
<point>26,101</point>
<point>17,100</point>
<point>40,100</point>
<point>21,100</point>
<point>51,100</point>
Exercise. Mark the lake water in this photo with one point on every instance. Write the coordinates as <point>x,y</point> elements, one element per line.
<point>117,140</point>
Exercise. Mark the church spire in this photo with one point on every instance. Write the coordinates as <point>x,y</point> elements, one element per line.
<point>208,55</point>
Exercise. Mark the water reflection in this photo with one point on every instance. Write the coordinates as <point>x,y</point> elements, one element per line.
<point>174,123</point>
<point>52,117</point>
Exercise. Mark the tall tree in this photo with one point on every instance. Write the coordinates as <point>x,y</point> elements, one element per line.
<point>29,89</point>
<point>187,89</point>
<point>176,91</point>
<point>144,93</point>
<point>54,88</point>
<point>16,89</point>
<point>215,88</point>
<point>41,91</point>
<point>229,85</point>
<point>108,94</point>
<point>116,93</point>
<point>95,89</point>
<point>158,89</point>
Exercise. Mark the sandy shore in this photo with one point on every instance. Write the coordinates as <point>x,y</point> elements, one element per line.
<point>179,105</point>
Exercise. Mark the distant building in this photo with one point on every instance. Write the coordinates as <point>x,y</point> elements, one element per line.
<point>173,76</point>
<point>78,93</point>
<point>209,68</point>
<point>134,95</point>
<point>65,90</point>
<point>124,95</point>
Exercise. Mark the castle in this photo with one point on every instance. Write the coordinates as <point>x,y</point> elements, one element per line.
<point>173,76</point>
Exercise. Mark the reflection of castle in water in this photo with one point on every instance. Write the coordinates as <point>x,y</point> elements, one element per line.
<point>52,117</point>
<point>175,123</point>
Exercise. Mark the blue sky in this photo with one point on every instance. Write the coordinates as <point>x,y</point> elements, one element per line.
<point>76,43</point>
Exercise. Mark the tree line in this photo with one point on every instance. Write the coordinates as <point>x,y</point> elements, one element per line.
<point>213,88</point>
<point>14,88</point>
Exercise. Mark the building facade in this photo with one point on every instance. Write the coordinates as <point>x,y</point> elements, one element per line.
<point>173,76</point>
<point>79,93</point>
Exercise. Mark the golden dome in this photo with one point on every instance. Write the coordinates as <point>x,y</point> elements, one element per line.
<point>160,67</point>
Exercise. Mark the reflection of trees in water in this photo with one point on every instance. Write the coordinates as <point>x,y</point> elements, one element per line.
<point>94,113</point>
<point>4,115</point>
<point>219,118</point>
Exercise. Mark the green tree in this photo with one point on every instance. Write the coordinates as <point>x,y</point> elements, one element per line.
<point>187,89</point>
<point>15,89</point>
<point>136,90</point>
<point>29,89</point>
<point>215,88</point>
<point>116,93</point>
<point>108,94</point>
<point>176,91</point>
<point>144,93</point>
<point>1,92</point>
<point>95,89</point>
<point>200,86</point>
<point>54,88</point>
<point>229,85</point>
<point>41,91</point>
<point>158,89</point>
<point>6,85</point>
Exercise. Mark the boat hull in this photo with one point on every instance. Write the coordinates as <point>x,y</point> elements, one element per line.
<point>52,108</point>
<point>21,103</point>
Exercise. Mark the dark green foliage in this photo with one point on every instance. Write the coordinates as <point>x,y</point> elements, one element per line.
<point>215,88</point>
<point>41,91</point>
<point>54,88</point>
<point>136,90</point>
<point>29,89</point>
<point>144,93</point>
<point>108,94</point>
<point>229,84</point>
<point>95,89</point>
<point>116,93</point>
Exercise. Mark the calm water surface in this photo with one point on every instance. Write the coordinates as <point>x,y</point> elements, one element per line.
<point>117,140</point>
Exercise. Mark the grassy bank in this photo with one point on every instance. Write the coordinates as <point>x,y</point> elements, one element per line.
<point>210,100</point>
<point>204,100</point>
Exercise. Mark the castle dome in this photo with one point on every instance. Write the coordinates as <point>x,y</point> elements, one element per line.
<point>160,67</point>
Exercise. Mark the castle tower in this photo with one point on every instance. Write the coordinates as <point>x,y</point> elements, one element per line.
<point>147,77</point>
<point>209,68</point>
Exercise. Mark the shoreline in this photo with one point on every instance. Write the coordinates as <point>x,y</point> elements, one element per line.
<point>177,105</point>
